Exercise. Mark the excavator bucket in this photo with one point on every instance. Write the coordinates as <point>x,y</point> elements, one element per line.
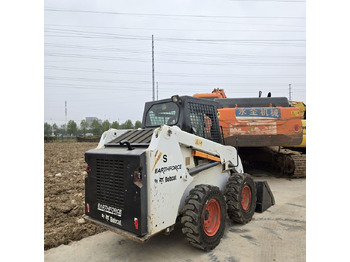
<point>265,198</point>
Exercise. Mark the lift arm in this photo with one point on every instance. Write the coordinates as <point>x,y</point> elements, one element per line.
<point>227,154</point>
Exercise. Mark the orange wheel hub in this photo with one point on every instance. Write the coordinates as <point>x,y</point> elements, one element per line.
<point>212,217</point>
<point>246,198</point>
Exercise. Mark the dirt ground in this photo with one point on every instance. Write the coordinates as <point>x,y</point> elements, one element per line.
<point>64,194</point>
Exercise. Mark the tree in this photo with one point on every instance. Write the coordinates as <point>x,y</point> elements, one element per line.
<point>105,125</point>
<point>63,129</point>
<point>96,128</point>
<point>127,125</point>
<point>84,126</point>
<point>72,128</point>
<point>138,124</point>
<point>115,125</point>
<point>55,129</point>
<point>47,129</point>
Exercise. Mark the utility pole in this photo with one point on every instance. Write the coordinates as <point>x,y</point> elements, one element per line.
<point>65,110</point>
<point>290,91</point>
<point>153,69</point>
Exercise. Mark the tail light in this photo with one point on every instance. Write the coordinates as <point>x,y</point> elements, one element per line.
<point>296,128</point>
<point>136,223</point>
<point>138,177</point>
<point>87,208</point>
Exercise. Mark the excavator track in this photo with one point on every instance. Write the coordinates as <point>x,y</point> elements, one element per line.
<point>288,163</point>
<point>298,162</point>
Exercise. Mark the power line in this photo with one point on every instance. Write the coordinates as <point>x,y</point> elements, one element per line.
<point>143,37</point>
<point>204,19</point>
<point>171,61</point>
<point>175,29</point>
<point>98,48</point>
<point>245,42</point>
<point>170,15</point>
<point>123,72</point>
<point>195,88</point>
<point>121,81</point>
<point>206,54</point>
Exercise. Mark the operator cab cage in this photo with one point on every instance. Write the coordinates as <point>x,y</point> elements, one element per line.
<point>194,115</point>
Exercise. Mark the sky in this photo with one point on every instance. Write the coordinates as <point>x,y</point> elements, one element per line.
<point>98,54</point>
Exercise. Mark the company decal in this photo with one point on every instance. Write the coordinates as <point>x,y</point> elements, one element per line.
<point>111,219</point>
<point>162,170</point>
<point>157,159</point>
<point>167,179</point>
<point>167,169</point>
<point>258,112</point>
<point>109,210</point>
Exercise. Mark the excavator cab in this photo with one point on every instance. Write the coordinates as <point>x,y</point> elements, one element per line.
<point>193,115</point>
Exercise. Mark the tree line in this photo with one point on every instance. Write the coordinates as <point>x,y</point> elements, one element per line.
<point>95,128</point>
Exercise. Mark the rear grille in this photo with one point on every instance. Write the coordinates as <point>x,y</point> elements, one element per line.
<point>110,182</point>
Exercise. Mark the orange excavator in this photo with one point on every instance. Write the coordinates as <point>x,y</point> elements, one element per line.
<point>260,127</point>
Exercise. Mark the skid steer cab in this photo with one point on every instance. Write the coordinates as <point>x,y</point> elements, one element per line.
<point>174,169</point>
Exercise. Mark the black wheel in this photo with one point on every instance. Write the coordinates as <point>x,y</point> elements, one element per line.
<point>240,196</point>
<point>203,217</point>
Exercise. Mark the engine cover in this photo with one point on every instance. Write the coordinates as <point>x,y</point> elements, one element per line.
<point>116,188</point>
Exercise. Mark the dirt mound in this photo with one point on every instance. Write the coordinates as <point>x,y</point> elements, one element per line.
<point>64,194</point>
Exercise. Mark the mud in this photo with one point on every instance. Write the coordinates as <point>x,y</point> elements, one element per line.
<point>64,194</point>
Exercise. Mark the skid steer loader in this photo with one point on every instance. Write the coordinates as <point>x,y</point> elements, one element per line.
<point>174,169</point>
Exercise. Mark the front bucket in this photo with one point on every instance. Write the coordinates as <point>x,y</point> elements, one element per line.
<point>265,197</point>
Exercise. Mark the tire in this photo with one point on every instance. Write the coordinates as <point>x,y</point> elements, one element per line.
<point>204,216</point>
<point>240,194</point>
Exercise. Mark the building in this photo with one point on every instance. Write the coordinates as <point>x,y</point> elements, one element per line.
<point>89,120</point>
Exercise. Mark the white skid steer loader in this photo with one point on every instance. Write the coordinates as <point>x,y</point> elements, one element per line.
<point>173,169</point>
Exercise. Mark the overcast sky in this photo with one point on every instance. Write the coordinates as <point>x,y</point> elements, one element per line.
<point>98,54</point>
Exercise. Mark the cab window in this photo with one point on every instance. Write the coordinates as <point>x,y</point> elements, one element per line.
<point>162,114</point>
